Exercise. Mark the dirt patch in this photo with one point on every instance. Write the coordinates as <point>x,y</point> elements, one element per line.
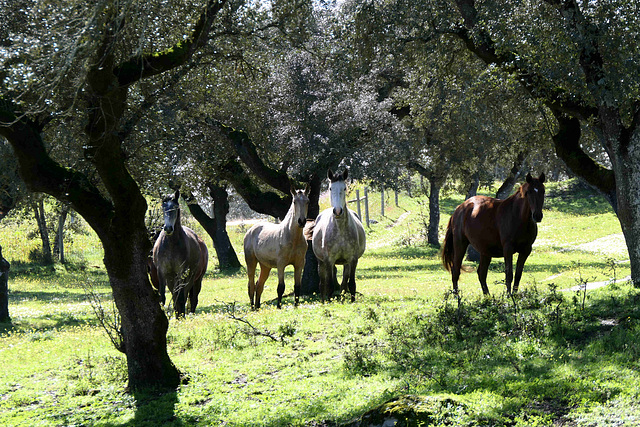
<point>613,244</point>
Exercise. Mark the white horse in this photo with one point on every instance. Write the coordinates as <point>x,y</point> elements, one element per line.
<point>277,246</point>
<point>337,237</point>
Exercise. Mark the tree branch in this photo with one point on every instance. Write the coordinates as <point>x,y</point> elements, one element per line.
<point>142,66</point>
<point>537,85</point>
<point>42,174</point>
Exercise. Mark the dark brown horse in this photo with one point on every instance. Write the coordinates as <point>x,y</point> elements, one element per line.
<point>180,257</point>
<point>495,228</point>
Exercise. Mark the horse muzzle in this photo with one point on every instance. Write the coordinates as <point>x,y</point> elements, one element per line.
<point>168,231</point>
<point>337,211</point>
<point>302,222</point>
<point>537,217</point>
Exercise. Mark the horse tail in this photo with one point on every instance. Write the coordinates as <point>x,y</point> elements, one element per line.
<point>308,229</point>
<point>447,247</point>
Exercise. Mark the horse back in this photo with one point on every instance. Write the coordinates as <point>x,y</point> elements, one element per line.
<point>489,224</point>
<point>329,240</point>
<point>475,221</point>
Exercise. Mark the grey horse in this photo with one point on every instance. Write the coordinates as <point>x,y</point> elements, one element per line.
<point>181,258</point>
<point>337,237</point>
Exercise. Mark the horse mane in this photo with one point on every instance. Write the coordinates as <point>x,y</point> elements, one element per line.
<point>308,229</point>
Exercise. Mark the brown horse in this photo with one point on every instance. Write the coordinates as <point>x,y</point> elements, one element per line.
<point>181,259</point>
<point>277,246</point>
<point>495,228</point>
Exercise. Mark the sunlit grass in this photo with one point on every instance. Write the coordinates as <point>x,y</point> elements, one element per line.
<point>329,363</point>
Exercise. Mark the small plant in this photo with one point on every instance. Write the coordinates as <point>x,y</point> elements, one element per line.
<point>360,359</point>
<point>583,284</point>
<point>110,321</point>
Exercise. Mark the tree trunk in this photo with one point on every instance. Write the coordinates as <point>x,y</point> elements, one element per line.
<point>58,244</point>
<point>216,227</point>
<point>310,279</point>
<point>625,156</point>
<point>38,210</point>
<point>472,187</point>
<point>472,190</point>
<point>4,289</point>
<point>144,324</point>
<point>434,210</point>
<point>506,187</point>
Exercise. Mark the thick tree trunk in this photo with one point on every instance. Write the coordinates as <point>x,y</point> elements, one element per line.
<point>38,210</point>
<point>310,278</point>
<point>4,289</point>
<point>434,211</point>
<point>216,227</point>
<point>625,156</point>
<point>144,324</point>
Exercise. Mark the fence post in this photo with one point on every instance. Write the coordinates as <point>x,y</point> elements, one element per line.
<point>396,191</point>
<point>382,202</point>
<point>366,205</point>
<point>358,203</point>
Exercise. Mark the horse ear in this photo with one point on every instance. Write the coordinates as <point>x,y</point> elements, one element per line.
<point>176,196</point>
<point>529,178</point>
<point>541,178</point>
<point>292,189</point>
<point>330,174</point>
<point>307,189</point>
<point>345,174</point>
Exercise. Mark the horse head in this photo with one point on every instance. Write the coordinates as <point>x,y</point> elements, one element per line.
<point>534,193</point>
<point>171,212</point>
<point>338,190</point>
<point>300,204</point>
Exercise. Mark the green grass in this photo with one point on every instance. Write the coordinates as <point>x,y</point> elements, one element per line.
<point>547,356</point>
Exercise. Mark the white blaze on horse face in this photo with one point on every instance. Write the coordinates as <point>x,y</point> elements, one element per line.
<point>338,191</point>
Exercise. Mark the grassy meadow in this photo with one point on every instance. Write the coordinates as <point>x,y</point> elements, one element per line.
<point>548,356</point>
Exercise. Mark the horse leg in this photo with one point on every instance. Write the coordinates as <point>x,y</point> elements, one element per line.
<point>280,285</point>
<point>264,275</point>
<point>193,295</point>
<point>324,279</point>
<point>333,284</point>
<point>352,279</point>
<point>483,268</point>
<point>508,268</point>
<point>459,250</point>
<point>522,257</point>
<point>297,277</point>
<point>344,286</point>
<point>179,300</point>
<point>161,287</point>
<point>252,262</point>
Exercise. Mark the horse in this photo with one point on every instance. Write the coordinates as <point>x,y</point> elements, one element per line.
<point>180,258</point>
<point>495,228</point>
<point>337,237</point>
<point>277,246</point>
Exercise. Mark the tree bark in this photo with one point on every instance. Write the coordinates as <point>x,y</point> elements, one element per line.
<point>511,179</point>
<point>58,244</point>
<point>472,187</point>
<point>435,184</point>
<point>41,220</point>
<point>310,278</point>
<point>4,289</point>
<point>216,227</point>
